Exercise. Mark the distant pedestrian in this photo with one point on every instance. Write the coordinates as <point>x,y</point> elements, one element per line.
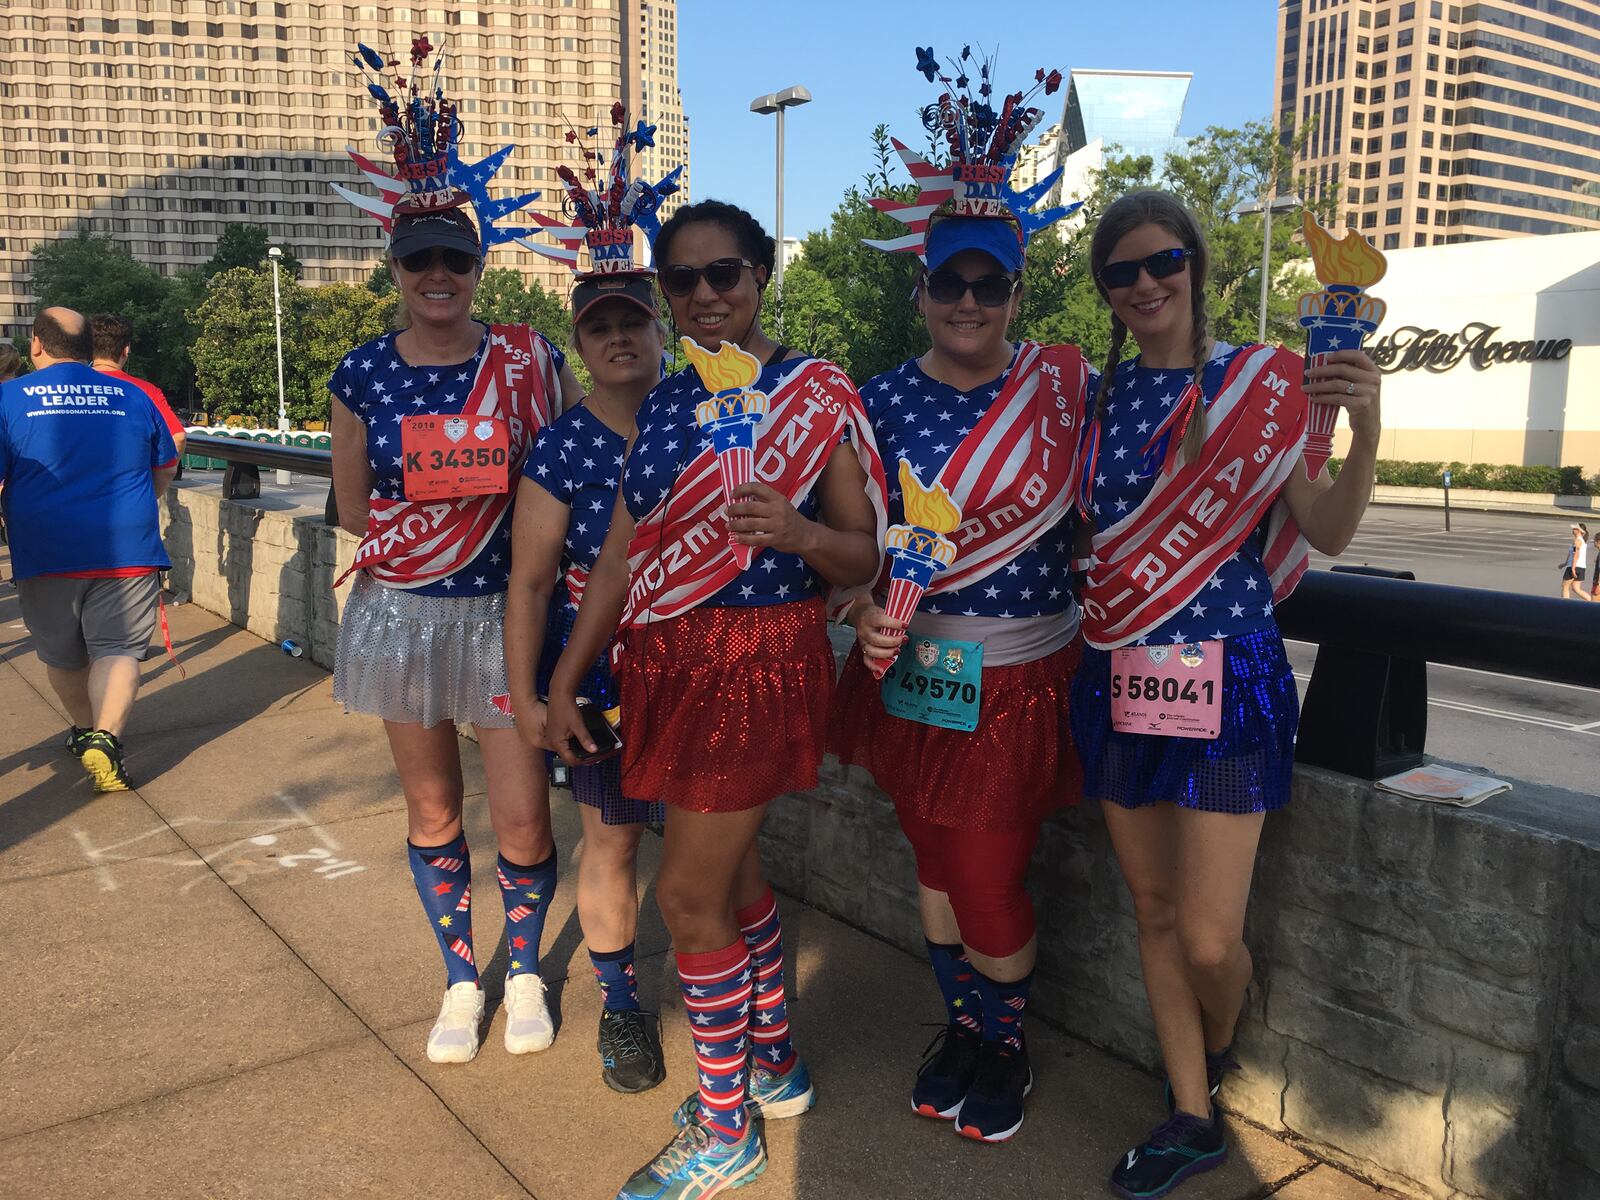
<point>113,340</point>
<point>11,364</point>
<point>1594,579</point>
<point>83,458</point>
<point>1577,559</point>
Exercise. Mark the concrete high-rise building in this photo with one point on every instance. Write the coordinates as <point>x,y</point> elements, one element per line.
<point>1434,122</point>
<point>650,80</point>
<point>161,121</point>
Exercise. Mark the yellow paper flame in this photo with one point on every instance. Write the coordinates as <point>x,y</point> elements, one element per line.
<point>1350,259</point>
<point>738,404</point>
<point>929,507</point>
<point>723,369</point>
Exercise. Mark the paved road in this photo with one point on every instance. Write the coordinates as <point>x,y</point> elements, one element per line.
<point>1543,732</point>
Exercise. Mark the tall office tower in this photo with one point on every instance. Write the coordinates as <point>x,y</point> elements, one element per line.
<point>161,121</point>
<point>1434,122</point>
<point>1132,112</point>
<point>650,85</point>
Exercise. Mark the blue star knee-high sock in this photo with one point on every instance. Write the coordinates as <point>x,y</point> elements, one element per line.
<point>619,987</point>
<point>443,875</point>
<point>958,984</point>
<point>1003,1005</point>
<point>526,892</point>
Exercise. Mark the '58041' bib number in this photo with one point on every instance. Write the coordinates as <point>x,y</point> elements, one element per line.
<point>447,456</point>
<point>1169,691</point>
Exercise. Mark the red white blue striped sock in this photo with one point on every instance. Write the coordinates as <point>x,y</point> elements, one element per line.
<point>773,1050</point>
<point>526,893</point>
<point>717,989</point>
<point>443,875</point>
<point>1003,1005</point>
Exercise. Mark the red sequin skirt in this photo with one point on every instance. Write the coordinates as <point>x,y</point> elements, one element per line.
<point>725,708</point>
<point>1015,769</point>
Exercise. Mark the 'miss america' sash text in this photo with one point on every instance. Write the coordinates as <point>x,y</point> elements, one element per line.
<point>412,543</point>
<point>679,556</point>
<point>1015,475</point>
<point>1155,560</point>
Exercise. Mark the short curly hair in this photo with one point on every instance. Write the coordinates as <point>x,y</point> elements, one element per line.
<point>754,241</point>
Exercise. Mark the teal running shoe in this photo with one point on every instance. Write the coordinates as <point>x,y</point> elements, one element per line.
<point>775,1097</point>
<point>697,1164</point>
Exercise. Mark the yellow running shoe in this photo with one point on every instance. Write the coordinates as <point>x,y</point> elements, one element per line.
<point>102,759</point>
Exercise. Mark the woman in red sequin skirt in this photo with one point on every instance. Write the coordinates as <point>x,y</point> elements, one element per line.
<point>968,729</point>
<point>723,658</point>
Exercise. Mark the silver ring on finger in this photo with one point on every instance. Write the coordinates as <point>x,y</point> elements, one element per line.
<point>1350,389</point>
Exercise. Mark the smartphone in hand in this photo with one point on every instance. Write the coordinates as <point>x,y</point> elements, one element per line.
<point>605,738</point>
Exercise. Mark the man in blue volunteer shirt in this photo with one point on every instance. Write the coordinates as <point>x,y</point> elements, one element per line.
<point>83,457</point>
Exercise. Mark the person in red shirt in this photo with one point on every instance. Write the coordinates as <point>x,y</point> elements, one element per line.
<point>113,339</point>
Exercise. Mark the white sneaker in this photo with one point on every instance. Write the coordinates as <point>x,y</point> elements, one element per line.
<point>454,1038</point>
<point>528,1023</point>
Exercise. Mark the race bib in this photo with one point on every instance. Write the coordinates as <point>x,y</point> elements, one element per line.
<point>1169,691</point>
<point>449,456</point>
<point>936,681</point>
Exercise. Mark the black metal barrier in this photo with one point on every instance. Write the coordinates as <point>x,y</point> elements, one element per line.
<point>241,480</point>
<point>1365,710</point>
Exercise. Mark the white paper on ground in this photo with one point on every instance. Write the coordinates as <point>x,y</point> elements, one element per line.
<point>1444,785</point>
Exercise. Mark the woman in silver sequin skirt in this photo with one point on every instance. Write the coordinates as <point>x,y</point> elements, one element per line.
<point>420,635</point>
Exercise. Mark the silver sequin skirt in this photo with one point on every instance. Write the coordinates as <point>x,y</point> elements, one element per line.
<point>421,659</point>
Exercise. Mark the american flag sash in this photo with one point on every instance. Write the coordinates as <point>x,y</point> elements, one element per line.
<point>411,543</point>
<point>679,556</point>
<point>1015,475</point>
<point>1156,559</point>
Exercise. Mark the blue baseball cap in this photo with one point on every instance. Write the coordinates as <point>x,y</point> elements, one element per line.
<point>996,237</point>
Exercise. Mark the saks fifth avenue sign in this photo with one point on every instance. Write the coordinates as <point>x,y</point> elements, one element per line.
<point>1411,347</point>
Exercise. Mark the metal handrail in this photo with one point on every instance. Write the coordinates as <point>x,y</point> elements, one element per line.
<point>262,454</point>
<point>1531,637</point>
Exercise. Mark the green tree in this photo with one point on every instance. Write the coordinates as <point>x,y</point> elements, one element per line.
<point>246,246</point>
<point>504,298</point>
<point>235,353</point>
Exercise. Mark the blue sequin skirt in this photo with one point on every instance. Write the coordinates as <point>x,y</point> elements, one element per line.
<point>1245,769</point>
<point>599,786</point>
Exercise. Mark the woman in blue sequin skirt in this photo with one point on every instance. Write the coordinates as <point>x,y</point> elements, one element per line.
<point>1184,709</point>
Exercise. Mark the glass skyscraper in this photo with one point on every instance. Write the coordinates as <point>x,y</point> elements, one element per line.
<point>1131,112</point>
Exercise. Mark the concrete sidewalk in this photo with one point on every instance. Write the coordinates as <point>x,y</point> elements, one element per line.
<point>220,985</point>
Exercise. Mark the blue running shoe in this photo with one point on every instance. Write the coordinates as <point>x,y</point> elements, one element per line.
<point>697,1164</point>
<point>775,1097</point>
<point>1181,1146</point>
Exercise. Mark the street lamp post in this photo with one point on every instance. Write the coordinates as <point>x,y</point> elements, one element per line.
<point>776,102</point>
<point>1278,204</point>
<point>276,255</point>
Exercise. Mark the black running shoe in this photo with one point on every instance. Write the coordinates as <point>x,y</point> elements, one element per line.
<point>102,759</point>
<point>992,1110</point>
<point>1217,1065</point>
<point>948,1065</point>
<point>78,741</point>
<point>1181,1146</point>
<point>630,1051</point>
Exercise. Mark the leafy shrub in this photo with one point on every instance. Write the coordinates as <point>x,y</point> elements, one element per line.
<point>1506,477</point>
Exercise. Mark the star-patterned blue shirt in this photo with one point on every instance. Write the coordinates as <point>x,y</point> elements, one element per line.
<point>578,460</point>
<point>916,417</point>
<point>668,440</point>
<point>1238,598</point>
<point>382,389</point>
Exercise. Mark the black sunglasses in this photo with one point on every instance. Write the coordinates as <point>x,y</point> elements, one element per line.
<point>457,262</point>
<point>990,291</point>
<point>722,274</point>
<point>1160,264</point>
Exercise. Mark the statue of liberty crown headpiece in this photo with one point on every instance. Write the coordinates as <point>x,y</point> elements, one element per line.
<point>422,132</point>
<point>983,143</point>
<point>603,205</point>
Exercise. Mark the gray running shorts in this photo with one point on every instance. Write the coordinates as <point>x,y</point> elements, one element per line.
<point>73,621</point>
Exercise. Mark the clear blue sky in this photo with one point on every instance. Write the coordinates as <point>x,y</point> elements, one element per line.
<point>857,57</point>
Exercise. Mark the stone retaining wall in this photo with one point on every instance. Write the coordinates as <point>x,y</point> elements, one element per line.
<point>1427,1000</point>
<point>270,572</point>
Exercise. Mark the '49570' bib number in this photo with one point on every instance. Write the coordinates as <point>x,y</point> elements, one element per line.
<point>448,456</point>
<point>1169,691</point>
<point>936,681</point>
